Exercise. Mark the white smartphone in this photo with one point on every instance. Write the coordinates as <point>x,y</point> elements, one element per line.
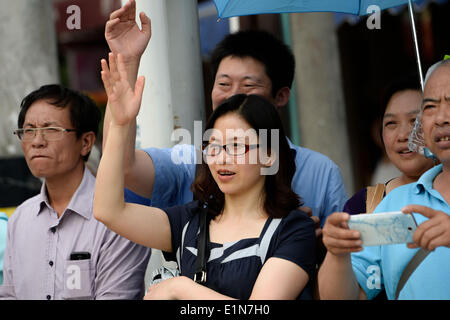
<point>384,228</point>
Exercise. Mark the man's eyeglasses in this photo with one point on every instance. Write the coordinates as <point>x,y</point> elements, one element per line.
<point>48,133</point>
<point>232,149</point>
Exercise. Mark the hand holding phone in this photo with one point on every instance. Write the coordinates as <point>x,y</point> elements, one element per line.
<point>384,228</point>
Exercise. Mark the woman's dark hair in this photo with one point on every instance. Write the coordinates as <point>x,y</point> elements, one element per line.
<point>279,198</point>
<point>85,116</point>
<point>409,81</point>
<point>406,82</point>
<point>277,57</point>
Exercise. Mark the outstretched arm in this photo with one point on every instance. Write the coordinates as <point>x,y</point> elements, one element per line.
<point>270,285</point>
<point>143,225</point>
<point>182,288</point>
<point>124,36</point>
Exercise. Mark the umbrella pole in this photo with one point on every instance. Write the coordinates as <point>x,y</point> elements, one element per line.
<point>416,45</point>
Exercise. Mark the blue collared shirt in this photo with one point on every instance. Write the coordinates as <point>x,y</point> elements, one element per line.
<point>381,266</point>
<point>38,262</point>
<point>317,179</point>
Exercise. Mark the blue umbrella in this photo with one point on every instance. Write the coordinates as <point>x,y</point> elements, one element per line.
<point>232,8</point>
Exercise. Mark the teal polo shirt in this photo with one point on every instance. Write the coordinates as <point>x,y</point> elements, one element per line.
<point>381,266</point>
<point>3,224</point>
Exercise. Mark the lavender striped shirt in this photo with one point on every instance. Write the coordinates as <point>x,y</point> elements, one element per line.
<point>37,261</point>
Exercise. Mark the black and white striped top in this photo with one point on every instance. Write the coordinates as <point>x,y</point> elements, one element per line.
<point>234,266</point>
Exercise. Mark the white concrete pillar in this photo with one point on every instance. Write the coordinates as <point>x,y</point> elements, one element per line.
<point>173,96</point>
<point>186,68</point>
<point>320,98</point>
<point>155,119</point>
<point>28,57</point>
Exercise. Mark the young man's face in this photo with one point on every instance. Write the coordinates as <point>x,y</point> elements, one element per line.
<point>237,75</point>
<point>436,114</point>
<point>47,158</point>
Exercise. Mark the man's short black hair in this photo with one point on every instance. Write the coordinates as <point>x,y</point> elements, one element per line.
<point>85,116</point>
<point>277,57</point>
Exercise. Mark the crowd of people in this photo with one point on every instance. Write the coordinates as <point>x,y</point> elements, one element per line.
<point>264,235</point>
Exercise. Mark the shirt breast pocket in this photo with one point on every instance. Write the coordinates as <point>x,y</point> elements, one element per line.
<point>78,279</point>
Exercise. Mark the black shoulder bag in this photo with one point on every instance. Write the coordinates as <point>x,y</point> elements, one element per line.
<point>202,249</point>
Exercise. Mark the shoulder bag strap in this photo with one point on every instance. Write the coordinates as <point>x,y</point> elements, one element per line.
<point>203,237</point>
<point>409,269</point>
<point>374,196</point>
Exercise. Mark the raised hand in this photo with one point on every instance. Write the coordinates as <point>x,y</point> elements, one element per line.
<point>123,34</point>
<point>124,102</point>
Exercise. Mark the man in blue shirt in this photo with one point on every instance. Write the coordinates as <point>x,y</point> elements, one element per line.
<point>351,272</point>
<point>251,62</point>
